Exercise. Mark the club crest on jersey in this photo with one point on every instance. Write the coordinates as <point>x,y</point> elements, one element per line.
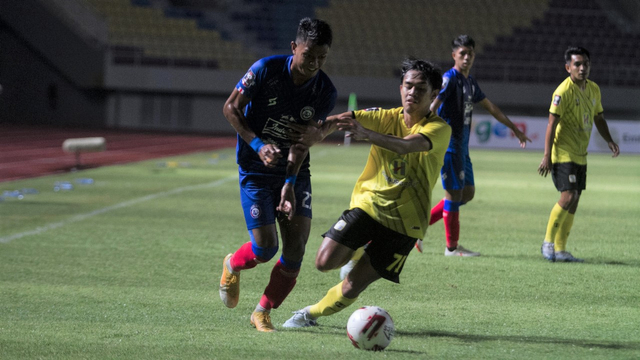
<point>249,79</point>
<point>556,100</point>
<point>255,211</point>
<point>340,225</point>
<point>307,113</point>
<point>398,168</point>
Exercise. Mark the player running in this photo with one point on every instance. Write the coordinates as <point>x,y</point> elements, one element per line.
<point>575,107</point>
<point>391,200</point>
<point>275,93</point>
<point>455,105</point>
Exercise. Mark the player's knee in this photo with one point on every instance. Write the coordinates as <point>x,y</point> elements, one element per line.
<point>322,264</point>
<point>264,254</point>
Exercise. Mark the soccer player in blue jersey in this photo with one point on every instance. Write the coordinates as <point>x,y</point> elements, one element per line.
<point>455,104</point>
<point>275,93</point>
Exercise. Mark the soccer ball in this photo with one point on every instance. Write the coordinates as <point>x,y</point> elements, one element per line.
<point>370,328</point>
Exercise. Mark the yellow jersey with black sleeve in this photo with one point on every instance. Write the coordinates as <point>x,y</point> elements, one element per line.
<point>395,190</point>
<point>576,109</point>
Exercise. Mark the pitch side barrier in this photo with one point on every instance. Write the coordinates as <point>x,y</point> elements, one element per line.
<point>487,132</point>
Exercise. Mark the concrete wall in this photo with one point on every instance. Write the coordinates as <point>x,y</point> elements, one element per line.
<point>49,75</point>
<point>142,96</point>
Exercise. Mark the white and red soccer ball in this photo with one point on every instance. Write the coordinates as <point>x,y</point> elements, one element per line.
<point>370,328</point>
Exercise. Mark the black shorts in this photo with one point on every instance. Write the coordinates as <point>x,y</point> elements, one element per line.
<point>387,249</point>
<point>569,176</point>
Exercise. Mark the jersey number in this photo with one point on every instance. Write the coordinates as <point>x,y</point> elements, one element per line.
<point>397,264</point>
<point>306,202</point>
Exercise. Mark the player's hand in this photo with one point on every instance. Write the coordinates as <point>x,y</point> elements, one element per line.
<point>545,166</point>
<point>522,138</point>
<point>269,154</point>
<point>355,129</point>
<point>287,204</point>
<point>305,134</point>
<point>615,149</point>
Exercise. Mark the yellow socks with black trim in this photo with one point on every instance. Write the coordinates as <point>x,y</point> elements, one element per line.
<point>560,243</point>
<point>556,218</point>
<point>331,303</point>
<point>357,254</point>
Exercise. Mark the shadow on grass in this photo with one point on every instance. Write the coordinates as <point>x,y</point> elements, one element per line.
<point>587,261</point>
<point>524,339</point>
<point>335,330</point>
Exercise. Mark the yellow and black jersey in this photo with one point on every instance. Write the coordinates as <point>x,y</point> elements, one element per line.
<point>394,189</point>
<point>576,109</point>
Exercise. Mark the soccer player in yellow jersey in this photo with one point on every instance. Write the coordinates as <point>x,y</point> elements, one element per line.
<point>391,201</point>
<point>575,108</point>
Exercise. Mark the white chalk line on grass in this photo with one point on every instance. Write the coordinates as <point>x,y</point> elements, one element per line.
<point>42,229</point>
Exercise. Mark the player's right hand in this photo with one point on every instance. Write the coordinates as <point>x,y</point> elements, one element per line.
<point>269,154</point>
<point>545,166</point>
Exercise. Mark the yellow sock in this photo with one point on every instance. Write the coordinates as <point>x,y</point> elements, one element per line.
<point>358,254</point>
<point>556,218</point>
<point>560,243</point>
<point>331,303</point>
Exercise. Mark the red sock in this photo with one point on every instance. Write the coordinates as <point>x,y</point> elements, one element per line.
<point>436,212</point>
<point>451,228</point>
<point>244,258</point>
<point>282,282</point>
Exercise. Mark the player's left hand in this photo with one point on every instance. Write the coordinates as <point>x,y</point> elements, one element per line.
<point>355,129</point>
<point>287,204</point>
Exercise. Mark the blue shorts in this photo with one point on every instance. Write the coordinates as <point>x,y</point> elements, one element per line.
<point>457,171</point>
<point>260,195</point>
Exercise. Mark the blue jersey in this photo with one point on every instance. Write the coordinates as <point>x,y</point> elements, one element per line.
<point>458,95</point>
<point>275,103</point>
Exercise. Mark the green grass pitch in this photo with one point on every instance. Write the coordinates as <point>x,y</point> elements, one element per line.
<point>128,267</point>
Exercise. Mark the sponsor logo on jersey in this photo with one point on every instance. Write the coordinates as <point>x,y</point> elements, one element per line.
<point>272,101</point>
<point>307,113</point>
<point>278,130</point>
<point>372,109</point>
<point>556,100</point>
<point>255,211</point>
<point>340,225</point>
<point>249,79</point>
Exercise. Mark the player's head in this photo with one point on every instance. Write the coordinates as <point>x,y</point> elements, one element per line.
<point>463,53</point>
<point>577,63</point>
<point>421,82</point>
<point>311,47</point>
<point>316,31</point>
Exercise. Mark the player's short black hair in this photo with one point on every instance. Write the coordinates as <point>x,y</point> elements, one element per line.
<point>429,71</point>
<point>576,50</point>
<point>315,30</point>
<point>463,40</point>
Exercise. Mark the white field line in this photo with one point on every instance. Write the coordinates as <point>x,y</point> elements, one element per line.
<point>42,229</point>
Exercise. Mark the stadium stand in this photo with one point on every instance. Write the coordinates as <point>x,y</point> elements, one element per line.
<point>532,53</point>
<point>140,33</point>
<point>518,41</point>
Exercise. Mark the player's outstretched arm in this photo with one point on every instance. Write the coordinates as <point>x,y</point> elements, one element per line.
<point>401,146</point>
<point>233,112</point>
<point>311,134</point>
<point>545,165</point>
<point>603,129</point>
<point>495,111</point>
